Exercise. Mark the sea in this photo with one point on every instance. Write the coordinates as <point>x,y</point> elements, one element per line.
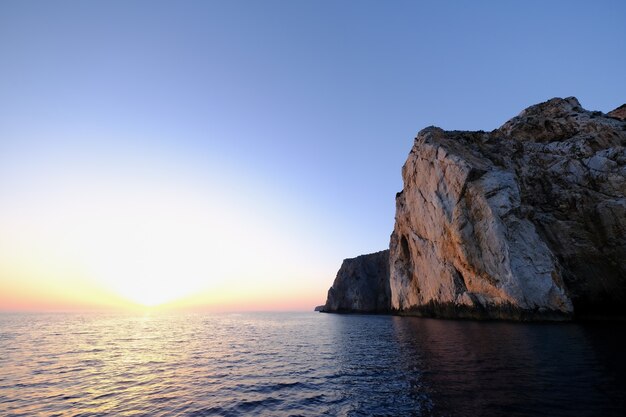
<point>306,364</point>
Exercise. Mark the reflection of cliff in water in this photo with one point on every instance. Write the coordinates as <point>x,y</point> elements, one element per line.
<point>369,365</point>
<point>496,368</point>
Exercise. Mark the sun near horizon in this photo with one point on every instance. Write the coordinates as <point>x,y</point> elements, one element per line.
<point>228,155</point>
<point>80,237</point>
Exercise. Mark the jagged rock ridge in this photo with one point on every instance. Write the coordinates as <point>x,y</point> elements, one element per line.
<point>618,113</point>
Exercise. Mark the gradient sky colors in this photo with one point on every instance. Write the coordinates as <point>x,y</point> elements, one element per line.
<point>229,155</point>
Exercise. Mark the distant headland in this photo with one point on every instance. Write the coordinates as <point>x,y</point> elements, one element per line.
<point>527,222</point>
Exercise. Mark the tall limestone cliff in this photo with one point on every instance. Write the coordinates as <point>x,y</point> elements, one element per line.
<point>525,222</point>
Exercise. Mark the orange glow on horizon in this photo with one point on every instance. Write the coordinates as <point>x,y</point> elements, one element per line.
<point>133,242</point>
<point>28,302</point>
<point>79,294</point>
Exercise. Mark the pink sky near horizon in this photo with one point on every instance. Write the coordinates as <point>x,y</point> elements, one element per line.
<point>216,155</point>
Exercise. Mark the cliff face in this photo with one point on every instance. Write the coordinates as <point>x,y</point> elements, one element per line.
<point>525,222</point>
<point>361,285</point>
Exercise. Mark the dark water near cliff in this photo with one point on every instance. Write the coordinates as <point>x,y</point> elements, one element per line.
<point>306,364</point>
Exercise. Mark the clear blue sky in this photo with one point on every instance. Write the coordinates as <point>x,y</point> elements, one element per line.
<point>301,110</point>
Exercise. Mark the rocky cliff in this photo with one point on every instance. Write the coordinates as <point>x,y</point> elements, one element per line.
<point>361,285</point>
<point>525,222</point>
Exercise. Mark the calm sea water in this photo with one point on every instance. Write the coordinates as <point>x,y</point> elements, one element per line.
<point>306,364</point>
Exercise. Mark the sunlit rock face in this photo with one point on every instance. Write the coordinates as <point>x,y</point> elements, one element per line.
<point>618,113</point>
<point>525,222</point>
<point>361,285</point>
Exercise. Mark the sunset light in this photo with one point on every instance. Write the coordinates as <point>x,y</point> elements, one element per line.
<point>312,208</point>
<point>141,237</point>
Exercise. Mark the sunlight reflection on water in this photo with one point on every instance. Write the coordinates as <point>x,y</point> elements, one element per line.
<point>309,364</point>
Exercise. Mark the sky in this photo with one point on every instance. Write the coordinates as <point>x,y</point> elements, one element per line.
<point>228,155</point>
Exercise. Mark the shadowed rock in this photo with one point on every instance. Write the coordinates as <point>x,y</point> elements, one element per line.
<point>361,285</point>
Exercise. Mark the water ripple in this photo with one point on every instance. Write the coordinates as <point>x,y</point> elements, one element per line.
<point>303,365</point>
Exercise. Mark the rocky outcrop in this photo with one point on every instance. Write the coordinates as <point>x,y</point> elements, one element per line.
<point>525,222</point>
<point>361,285</point>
